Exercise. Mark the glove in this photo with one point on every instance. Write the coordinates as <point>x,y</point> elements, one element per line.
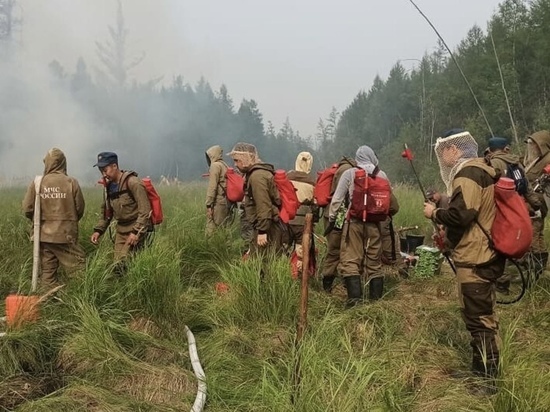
<point>329,228</point>
<point>536,214</point>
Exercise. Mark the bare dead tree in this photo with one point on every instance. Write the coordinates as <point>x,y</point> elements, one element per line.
<point>113,52</point>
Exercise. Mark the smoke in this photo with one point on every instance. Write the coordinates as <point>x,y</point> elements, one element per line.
<point>36,115</point>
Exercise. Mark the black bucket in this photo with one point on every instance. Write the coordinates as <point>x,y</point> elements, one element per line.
<point>413,241</point>
<point>403,244</point>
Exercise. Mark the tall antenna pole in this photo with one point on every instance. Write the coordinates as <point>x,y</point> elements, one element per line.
<point>457,65</point>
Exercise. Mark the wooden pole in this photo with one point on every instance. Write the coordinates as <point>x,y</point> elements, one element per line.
<point>36,235</point>
<point>302,322</point>
<point>306,242</point>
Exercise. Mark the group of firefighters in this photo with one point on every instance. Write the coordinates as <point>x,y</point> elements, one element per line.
<point>355,248</point>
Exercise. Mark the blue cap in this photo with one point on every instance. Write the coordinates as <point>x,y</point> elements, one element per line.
<point>452,132</point>
<point>106,159</point>
<point>496,143</point>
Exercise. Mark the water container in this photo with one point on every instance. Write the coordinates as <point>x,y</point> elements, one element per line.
<point>21,309</point>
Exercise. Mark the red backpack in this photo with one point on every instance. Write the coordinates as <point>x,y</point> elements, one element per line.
<point>371,197</point>
<point>512,230</point>
<point>287,193</point>
<point>322,191</point>
<point>157,215</point>
<point>234,186</point>
<point>154,199</point>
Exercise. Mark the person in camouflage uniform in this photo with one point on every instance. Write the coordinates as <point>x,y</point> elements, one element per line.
<point>126,201</point>
<point>61,208</point>
<point>499,157</point>
<point>471,208</point>
<point>217,207</point>
<point>536,159</point>
<point>261,199</point>
<point>329,269</point>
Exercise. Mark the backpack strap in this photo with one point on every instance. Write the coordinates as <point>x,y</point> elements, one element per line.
<point>122,189</point>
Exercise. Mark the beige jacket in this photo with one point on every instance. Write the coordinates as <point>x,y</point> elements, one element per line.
<point>61,201</point>
<point>216,192</point>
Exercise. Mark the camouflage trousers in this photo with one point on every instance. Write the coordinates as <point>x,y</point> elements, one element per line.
<point>70,256</point>
<point>476,293</point>
<point>538,245</point>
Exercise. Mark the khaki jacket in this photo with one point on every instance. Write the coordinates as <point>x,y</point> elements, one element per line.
<point>216,192</point>
<point>533,172</point>
<point>128,204</point>
<point>542,139</point>
<point>500,160</point>
<point>261,198</point>
<point>61,201</point>
<point>472,199</point>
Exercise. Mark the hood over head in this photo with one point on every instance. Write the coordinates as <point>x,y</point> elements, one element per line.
<point>304,162</point>
<point>55,161</point>
<point>366,158</point>
<point>213,154</point>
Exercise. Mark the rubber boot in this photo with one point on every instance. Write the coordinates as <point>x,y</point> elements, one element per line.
<point>487,373</point>
<point>376,288</point>
<point>328,282</point>
<point>355,291</point>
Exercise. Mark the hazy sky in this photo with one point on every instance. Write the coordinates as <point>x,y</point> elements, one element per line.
<point>296,58</point>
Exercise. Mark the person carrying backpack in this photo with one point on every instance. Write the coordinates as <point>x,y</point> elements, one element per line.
<point>470,184</point>
<point>329,269</point>
<point>361,244</point>
<point>261,199</point>
<point>126,201</point>
<point>303,183</point>
<point>537,157</point>
<point>217,207</point>
<point>509,165</point>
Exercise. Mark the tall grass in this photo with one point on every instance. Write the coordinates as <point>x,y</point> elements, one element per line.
<point>106,343</point>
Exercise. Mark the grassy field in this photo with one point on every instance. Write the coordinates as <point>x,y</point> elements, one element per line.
<point>108,344</point>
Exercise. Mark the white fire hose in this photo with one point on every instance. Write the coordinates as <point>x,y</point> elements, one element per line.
<point>200,399</point>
